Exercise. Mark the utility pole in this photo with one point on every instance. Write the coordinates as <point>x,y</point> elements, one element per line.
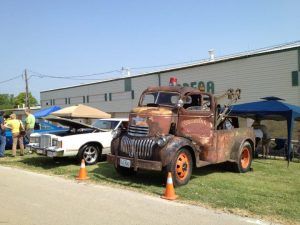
<point>27,105</point>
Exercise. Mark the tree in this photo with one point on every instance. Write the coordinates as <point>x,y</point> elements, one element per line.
<point>6,101</point>
<point>20,99</point>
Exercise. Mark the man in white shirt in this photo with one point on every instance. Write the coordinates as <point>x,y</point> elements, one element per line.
<point>262,134</point>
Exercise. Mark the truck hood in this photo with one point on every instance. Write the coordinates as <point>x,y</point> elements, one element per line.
<point>71,123</point>
<point>156,119</point>
<point>154,111</point>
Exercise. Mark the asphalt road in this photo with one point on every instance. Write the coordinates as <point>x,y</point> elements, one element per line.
<point>30,198</point>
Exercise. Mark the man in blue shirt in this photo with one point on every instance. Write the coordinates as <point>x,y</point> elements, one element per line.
<point>2,135</point>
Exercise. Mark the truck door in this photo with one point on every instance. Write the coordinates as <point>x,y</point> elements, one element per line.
<point>196,120</point>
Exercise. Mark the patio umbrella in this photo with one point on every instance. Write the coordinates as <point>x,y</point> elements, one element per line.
<point>81,111</point>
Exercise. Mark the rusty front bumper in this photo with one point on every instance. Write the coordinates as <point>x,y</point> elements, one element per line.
<point>136,163</point>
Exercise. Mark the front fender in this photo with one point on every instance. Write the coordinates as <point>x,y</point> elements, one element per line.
<point>173,145</point>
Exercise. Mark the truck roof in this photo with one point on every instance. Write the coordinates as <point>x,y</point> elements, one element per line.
<point>179,89</point>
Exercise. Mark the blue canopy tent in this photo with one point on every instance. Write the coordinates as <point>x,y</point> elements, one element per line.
<point>270,109</point>
<point>45,112</point>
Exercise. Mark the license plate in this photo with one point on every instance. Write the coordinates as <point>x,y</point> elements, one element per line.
<point>125,163</point>
<point>50,154</point>
<point>40,151</point>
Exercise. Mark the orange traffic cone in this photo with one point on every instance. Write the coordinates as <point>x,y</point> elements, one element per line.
<point>170,191</point>
<point>82,172</point>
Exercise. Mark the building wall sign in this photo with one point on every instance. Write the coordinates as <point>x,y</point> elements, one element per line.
<point>201,85</point>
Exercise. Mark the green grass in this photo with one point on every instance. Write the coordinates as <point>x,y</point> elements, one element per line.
<point>270,191</point>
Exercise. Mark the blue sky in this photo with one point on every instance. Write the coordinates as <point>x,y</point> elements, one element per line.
<point>67,38</point>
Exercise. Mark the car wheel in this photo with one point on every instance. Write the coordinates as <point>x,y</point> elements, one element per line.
<point>245,158</point>
<point>90,154</point>
<point>181,167</point>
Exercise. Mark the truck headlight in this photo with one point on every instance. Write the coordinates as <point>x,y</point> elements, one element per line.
<point>162,141</point>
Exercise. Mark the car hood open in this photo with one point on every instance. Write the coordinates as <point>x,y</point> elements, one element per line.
<point>71,123</point>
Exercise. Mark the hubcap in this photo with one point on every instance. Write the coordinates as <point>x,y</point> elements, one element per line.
<point>245,158</point>
<point>182,166</point>
<point>90,154</point>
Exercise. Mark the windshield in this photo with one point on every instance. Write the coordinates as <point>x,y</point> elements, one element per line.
<point>160,98</point>
<point>106,124</point>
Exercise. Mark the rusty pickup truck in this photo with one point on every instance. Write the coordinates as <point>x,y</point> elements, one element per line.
<point>175,129</point>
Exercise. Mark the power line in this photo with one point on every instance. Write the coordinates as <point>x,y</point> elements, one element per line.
<point>66,78</point>
<point>13,78</point>
<point>73,77</point>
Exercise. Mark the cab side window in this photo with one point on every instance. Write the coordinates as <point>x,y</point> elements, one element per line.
<point>199,102</point>
<point>192,102</point>
<point>206,103</point>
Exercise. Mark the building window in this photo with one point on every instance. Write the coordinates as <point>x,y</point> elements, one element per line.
<point>110,96</point>
<point>83,99</point>
<point>87,99</point>
<point>132,94</point>
<point>295,78</point>
<point>69,100</point>
<point>66,101</point>
<point>53,101</point>
<point>127,83</point>
<point>105,97</point>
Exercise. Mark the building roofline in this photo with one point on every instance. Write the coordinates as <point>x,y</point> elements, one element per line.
<point>262,51</point>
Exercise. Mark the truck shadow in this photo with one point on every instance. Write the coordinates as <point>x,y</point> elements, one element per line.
<point>143,179</point>
<point>226,167</point>
<point>106,172</point>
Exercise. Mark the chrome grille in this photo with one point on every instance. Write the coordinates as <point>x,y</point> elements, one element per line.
<point>143,147</point>
<point>138,131</point>
<point>45,141</point>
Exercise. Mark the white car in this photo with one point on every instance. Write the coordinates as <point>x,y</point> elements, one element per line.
<point>87,142</point>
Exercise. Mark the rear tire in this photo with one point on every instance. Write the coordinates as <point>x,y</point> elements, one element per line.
<point>245,158</point>
<point>90,153</point>
<point>181,167</point>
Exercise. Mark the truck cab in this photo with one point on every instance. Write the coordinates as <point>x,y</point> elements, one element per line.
<point>174,129</point>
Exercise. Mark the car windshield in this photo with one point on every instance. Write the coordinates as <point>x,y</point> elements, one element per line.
<point>160,98</point>
<point>105,124</point>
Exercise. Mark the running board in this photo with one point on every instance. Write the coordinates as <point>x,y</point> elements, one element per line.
<point>201,163</point>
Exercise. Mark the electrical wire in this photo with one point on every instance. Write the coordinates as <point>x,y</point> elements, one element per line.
<point>40,75</point>
<point>13,78</point>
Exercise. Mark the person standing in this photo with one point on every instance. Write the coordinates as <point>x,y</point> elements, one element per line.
<point>29,123</point>
<point>263,135</point>
<point>2,135</point>
<point>14,124</point>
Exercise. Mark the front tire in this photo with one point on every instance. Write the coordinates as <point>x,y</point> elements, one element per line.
<point>90,153</point>
<point>245,158</point>
<point>181,167</point>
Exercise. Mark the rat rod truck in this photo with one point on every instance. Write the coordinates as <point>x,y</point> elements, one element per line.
<point>174,129</point>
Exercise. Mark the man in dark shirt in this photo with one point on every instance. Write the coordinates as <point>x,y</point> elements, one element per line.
<point>2,135</point>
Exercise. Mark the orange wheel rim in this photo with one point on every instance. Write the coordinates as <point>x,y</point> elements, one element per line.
<point>182,166</point>
<point>245,158</point>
